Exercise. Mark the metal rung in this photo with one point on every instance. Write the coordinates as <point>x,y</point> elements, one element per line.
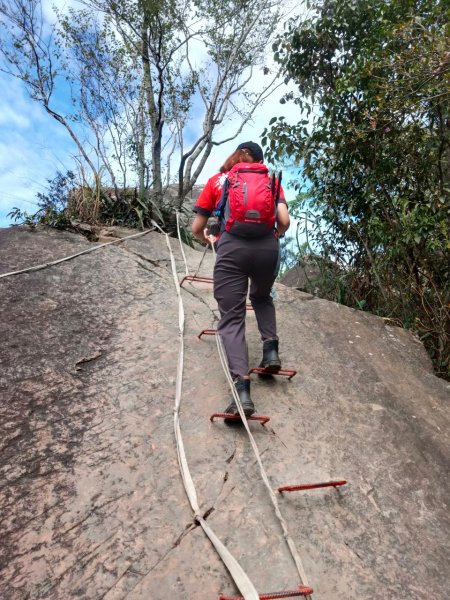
<point>302,590</point>
<point>207,332</point>
<point>311,486</point>
<point>261,418</point>
<point>200,278</point>
<point>289,373</point>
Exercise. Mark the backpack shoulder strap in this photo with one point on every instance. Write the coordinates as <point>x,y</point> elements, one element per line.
<point>220,208</point>
<point>277,197</point>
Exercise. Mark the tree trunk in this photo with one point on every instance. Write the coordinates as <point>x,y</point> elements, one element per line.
<point>155,113</point>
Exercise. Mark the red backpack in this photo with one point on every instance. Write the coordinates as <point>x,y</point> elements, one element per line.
<point>248,204</point>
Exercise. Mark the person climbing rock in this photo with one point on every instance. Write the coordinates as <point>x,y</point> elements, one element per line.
<point>253,214</point>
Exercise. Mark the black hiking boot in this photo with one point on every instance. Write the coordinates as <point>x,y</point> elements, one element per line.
<point>243,389</point>
<point>270,361</point>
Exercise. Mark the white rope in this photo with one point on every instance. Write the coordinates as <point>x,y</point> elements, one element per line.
<point>239,576</point>
<point>289,541</point>
<point>181,245</point>
<point>183,463</point>
<point>56,262</point>
<point>182,251</point>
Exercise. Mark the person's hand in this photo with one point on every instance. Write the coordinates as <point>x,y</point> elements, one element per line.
<point>212,239</point>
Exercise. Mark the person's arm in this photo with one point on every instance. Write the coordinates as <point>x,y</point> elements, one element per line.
<point>203,208</point>
<point>283,220</point>
<point>198,228</point>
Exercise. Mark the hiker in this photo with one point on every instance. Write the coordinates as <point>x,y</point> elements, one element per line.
<point>241,257</point>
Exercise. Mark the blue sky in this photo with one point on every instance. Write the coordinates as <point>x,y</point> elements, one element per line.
<point>34,146</point>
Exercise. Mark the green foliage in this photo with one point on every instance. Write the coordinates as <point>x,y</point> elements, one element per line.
<point>52,204</point>
<point>125,207</point>
<point>288,256</point>
<point>65,203</point>
<point>373,81</point>
<point>143,87</point>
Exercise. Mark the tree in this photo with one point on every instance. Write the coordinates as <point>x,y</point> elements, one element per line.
<point>158,38</point>
<point>30,54</point>
<point>135,82</point>
<point>374,78</point>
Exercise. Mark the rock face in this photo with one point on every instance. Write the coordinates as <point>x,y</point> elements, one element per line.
<point>91,501</point>
<point>301,276</point>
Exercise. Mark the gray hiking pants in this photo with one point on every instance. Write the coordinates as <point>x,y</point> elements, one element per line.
<point>238,260</point>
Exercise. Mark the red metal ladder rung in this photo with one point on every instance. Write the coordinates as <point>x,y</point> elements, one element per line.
<point>311,486</point>
<point>302,590</point>
<point>289,373</point>
<point>201,278</point>
<point>263,419</point>
<point>207,332</point>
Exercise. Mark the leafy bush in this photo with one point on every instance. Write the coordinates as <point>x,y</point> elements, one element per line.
<point>52,205</point>
<point>65,202</point>
<point>374,138</point>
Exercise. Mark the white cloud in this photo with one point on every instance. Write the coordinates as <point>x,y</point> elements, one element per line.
<point>62,6</point>
<point>10,116</point>
<point>33,146</point>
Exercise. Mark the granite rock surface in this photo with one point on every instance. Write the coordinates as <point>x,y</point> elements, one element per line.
<point>92,504</point>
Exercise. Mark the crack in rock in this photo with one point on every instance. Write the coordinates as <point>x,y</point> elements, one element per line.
<point>189,527</point>
<point>155,263</point>
<point>230,458</point>
<point>150,270</point>
<point>87,359</point>
<point>200,299</point>
<point>94,510</point>
<point>208,512</point>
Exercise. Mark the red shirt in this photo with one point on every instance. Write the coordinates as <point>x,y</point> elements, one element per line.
<point>211,193</point>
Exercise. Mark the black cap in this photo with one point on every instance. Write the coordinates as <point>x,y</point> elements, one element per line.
<point>255,150</point>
